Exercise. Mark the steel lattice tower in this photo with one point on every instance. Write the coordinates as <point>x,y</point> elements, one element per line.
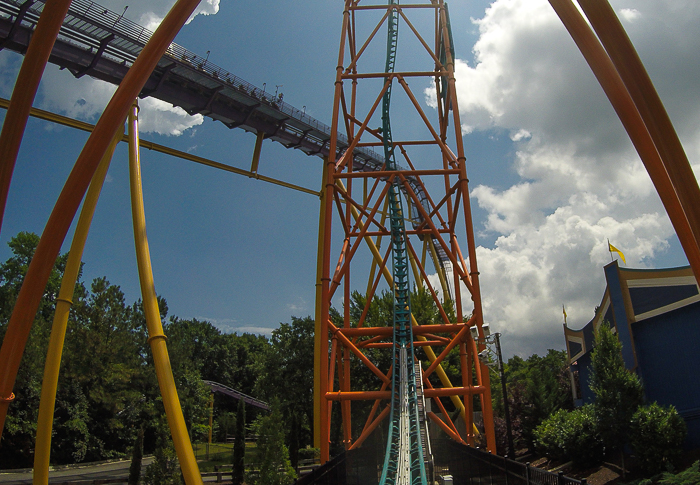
<point>419,199</point>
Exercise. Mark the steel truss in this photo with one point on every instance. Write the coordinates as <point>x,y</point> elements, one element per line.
<point>434,185</point>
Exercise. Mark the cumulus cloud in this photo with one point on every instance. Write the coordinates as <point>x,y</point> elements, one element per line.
<point>580,181</point>
<point>229,325</point>
<point>630,14</point>
<point>149,13</point>
<point>85,98</point>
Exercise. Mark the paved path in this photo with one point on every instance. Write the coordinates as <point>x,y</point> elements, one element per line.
<point>115,469</point>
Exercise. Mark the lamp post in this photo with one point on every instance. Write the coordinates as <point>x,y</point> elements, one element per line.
<point>483,356</point>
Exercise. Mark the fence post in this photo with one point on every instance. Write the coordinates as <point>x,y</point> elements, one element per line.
<point>490,468</point>
<point>560,478</point>
<point>505,467</point>
<point>527,473</point>
<point>219,477</point>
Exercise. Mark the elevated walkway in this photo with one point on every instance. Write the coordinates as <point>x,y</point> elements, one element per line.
<point>97,42</point>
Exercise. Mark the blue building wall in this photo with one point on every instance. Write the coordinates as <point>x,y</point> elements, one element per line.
<point>617,303</point>
<point>668,347</point>
<point>662,342</point>
<point>584,376</point>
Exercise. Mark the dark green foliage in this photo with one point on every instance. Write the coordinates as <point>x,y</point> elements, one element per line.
<point>537,387</point>
<point>657,434</point>
<point>690,476</point>
<point>136,458</point>
<point>571,435</point>
<point>107,387</point>
<point>287,373</point>
<point>20,426</point>
<point>618,392</point>
<point>165,469</point>
<point>272,454</point>
<point>239,445</point>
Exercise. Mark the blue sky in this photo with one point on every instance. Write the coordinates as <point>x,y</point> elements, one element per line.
<point>552,173</point>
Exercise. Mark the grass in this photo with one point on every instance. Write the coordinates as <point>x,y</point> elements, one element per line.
<point>220,454</point>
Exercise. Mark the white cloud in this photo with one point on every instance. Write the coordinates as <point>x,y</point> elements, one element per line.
<point>230,325</point>
<point>149,13</point>
<point>164,118</point>
<point>521,134</point>
<point>298,306</point>
<point>85,98</point>
<point>630,14</point>
<point>580,181</point>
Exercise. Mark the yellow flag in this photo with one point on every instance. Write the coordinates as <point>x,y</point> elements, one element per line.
<point>613,249</point>
<point>563,308</point>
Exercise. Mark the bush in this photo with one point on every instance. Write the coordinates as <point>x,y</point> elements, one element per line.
<point>571,435</point>
<point>691,476</point>
<point>657,434</point>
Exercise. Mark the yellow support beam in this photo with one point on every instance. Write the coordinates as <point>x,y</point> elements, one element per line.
<point>81,125</point>
<point>256,151</point>
<point>318,361</point>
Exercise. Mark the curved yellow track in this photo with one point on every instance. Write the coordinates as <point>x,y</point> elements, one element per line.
<point>42,453</point>
<point>173,411</point>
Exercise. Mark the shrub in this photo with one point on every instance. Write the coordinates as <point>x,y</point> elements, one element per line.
<point>571,435</point>
<point>690,476</point>
<point>657,434</point>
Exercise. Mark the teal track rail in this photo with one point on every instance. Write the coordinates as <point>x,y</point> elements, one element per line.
<point>403,461</point>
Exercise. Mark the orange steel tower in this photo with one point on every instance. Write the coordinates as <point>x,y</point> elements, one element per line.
<point>434,186</point>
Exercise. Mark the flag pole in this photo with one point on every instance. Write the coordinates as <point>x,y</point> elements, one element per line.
<point>610,251</point>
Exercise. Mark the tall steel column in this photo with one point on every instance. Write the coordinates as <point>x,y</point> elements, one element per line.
<point>433,181</point>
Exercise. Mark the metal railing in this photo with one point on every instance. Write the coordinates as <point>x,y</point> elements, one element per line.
<point>88,23</point>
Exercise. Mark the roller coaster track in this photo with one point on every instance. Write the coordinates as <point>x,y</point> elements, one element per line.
<point>229,391</point>
<point>403,460</point>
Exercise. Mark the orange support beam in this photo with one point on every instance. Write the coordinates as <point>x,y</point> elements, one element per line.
<point>623,104</point>
<point>26,85</point>
<point>356,210</point>
<point>72,194</point>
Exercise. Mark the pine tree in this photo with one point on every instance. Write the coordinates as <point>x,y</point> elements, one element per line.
<point>618,392</point>
<point>165,469</point>
<point>273,455</point>
<point>136,458</point>
<point>239,445</point>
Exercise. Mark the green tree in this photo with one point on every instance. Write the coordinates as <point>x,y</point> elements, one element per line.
<point>106,358</point>
<point>272,454</point>
<point>20,426</point>
<point>239,445</point>
<point>136,458</point>
<point>165,469</point>
<point>657,434</point>
<point>537,388</point>
<point>571,435</point>
<point>618,392</point>
<point>287,374</point>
